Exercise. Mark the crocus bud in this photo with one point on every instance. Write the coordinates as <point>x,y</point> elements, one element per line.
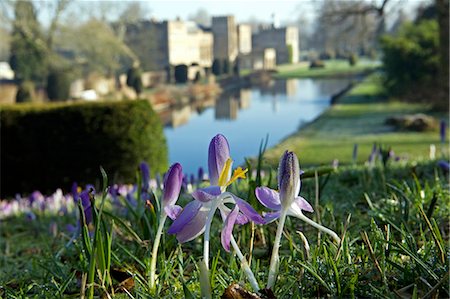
<point>145,170</point>
<point>288,178</point>
<point>218,154</point>
<point>172,184</point>
<point>442,131</point>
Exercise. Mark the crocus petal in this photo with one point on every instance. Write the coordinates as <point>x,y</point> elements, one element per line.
<point>303,204</point>
<point>194,228</point>
<point>145,170</point>
<point>241,218</point>
<point>206,194</point>
<point>172,184</point>
<point>269,217</point>
<point>268,198</point>
<point>227,230</point>
<point>288,178</point>
<point>173,211</point>
<point>248,210</point>
<point>186,215</point>
<point>86,203</point>
<point>298,205</point>
<point>218,154</point>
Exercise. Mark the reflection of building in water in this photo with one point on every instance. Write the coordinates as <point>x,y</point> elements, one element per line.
<point>286,87</point>
<point>177,117</point>
<point>227,107</point>
<point>245,98</point>
<point>291,87</point>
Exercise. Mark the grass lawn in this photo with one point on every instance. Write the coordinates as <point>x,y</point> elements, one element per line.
<point>359,118</point>
<point>332,68</point>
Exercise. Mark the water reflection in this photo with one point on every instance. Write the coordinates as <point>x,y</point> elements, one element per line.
<point>245,116</point>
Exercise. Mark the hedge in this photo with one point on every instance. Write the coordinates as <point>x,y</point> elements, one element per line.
<point>51,146</point>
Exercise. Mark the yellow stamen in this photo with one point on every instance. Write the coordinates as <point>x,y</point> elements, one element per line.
<point>225,171</point>
<point>238,173</point>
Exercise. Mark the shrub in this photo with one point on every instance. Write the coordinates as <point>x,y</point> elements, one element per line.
<point>216,67</point>
<point>315,64</point>
<point>352,59</point>
<point>134,79</point>
<point>181,73</point>
<point>58,86</point>
<point>412,57</point>
<point>49,146</point>
<point>26,92</point>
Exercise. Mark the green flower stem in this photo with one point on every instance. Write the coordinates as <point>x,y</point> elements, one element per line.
<point>319,227</point>
<point>209,219</point>
<point>273,269</point>
<point>245,266</point>
<point>162,220</point>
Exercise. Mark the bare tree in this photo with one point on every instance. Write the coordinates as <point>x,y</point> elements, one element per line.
<point>350,25</point>
<point>201,17</point>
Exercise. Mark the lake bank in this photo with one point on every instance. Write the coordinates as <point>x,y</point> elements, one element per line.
<point>359,118</point>
<point>332,69</point>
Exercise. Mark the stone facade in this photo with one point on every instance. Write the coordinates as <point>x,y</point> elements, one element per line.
<point>244,33</point>
<point>225,38</point>
<point>159,44</point>
<point>284,40</point>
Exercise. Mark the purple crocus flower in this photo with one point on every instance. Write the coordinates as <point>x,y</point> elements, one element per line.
<point>86,204</point>
<point>443,131</point>
<point>74,191</point>
<point>284,203</point>
<point>289,185</point>
<point>37,197</point>
<point>218,155</point>
<point>444,165</point>
<point>193,219</point>
<point>145,170</point>
<point>288,198</point>
<point>172,186</point>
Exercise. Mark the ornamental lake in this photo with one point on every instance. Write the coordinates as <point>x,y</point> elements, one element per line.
<point>246,117</point>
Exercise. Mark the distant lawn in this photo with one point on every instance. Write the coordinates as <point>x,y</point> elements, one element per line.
<point>359,118</point>
<point>332,68</point>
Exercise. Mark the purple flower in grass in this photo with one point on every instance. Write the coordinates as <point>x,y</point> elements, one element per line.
<point>444,165</point>
<point>173,180</point>
<point>286,202</point>
<point>289,185</point>
<point>191,222</point>
<point>443,131</point>
<point>193,219</point>
<point>86,204</point>
<point>172,187</point>
<point>145,170</point>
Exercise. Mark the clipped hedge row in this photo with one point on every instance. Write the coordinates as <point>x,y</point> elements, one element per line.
<point>49,146</point>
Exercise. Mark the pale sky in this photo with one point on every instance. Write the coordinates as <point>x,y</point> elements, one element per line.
<point>285,10</point>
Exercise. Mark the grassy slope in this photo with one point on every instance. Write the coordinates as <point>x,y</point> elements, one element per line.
<point>358,118</point>
<point>332,68</point>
